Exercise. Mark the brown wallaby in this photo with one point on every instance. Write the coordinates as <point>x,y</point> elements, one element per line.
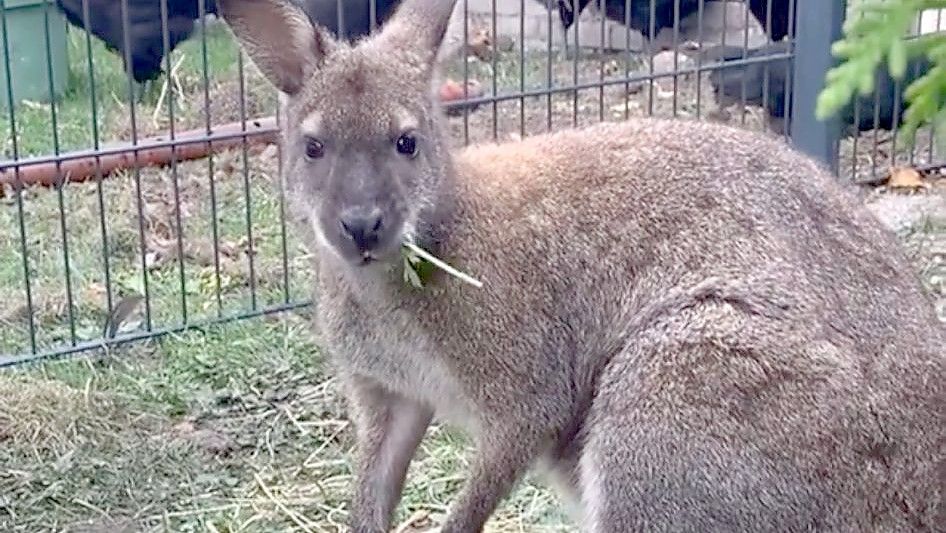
<point>694,327</point>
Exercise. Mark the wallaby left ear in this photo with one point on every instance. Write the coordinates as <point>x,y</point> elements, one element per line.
<point>418,25</point>
<point>280,39</point>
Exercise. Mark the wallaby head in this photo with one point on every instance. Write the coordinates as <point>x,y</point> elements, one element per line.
<point>364,160</point>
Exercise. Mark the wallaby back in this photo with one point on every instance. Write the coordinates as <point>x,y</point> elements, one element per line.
<point>695,327</point>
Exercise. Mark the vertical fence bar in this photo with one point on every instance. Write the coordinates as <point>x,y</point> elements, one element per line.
<point>817,27</point>
<point>699,59</point>
<point>283,230</point>
<point>789,68</point>
<point>676,56</point>
<point>96,145</point>
<point>548,69</point>
<point>743,110</point>
<point>522,67</point>
<point>766,79</point>
<point>133,91</point>
<point>602,7</point>
<point>494,69</point>
<point>651,34</point>
<point>858,110</point>
<point>125,53</point>
<point>875,134</point>
<point>627,58</point>
<point>247,189</point>
<point>175,179</point>
<point>466,72</point>
<point>576,57</point>
<point>932,142</point>
<point>18,183</point>
<point>60,179</point>
<point>894,102</point>
<point>212,182</point>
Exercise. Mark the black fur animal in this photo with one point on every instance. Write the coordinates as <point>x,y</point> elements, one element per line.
<point>146,36</point>
<point>640,13</point>
<point>356,17</point>
<point>778,23</point>
<point>882,109</point>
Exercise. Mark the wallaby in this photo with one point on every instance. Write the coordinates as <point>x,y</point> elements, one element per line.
<point>694,327</point>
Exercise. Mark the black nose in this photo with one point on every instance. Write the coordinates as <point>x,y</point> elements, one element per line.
<point>363,226</point>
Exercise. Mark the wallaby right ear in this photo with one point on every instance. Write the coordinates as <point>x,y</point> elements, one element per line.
<point>280,39</point>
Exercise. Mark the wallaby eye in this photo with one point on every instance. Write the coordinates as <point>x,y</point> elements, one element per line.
<point>314,149</point>
<point>407,145</point>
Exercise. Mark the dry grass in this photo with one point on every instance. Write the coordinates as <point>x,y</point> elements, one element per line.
<point>204,432</point>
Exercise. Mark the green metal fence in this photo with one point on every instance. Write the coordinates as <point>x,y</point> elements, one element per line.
<point>133,208</point>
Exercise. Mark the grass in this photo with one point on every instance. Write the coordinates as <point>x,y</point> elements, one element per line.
<point>203,282</point>
<point>237,427</point>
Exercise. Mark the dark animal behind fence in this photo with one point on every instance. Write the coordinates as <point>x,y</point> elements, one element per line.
<point>777,19</point>
<point>145,37</point>
<point>639,17</point>
<point>881,109</point>
<point>666,12</point>
<point>356,16</point>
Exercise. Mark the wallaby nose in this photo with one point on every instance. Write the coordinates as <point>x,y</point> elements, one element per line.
<point>363,226</point>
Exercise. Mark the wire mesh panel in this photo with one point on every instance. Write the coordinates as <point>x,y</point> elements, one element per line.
<point>142,201</point>
<point>140,188</point>
<point>870,143</point>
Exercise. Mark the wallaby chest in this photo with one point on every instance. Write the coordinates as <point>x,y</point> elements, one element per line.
<point>386,342</point>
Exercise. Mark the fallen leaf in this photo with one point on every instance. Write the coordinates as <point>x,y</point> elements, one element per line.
<point>906,178</point>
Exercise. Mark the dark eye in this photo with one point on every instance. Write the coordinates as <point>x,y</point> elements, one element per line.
<point>407,145</point>
<point>314,149</point>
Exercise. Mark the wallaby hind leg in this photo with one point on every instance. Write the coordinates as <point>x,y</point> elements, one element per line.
<point>652,461</point>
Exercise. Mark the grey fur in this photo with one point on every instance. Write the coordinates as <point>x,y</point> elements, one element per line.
<point>697,326</point>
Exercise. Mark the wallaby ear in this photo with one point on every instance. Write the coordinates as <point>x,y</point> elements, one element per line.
<point>280,39</point>
<point>419,25</point>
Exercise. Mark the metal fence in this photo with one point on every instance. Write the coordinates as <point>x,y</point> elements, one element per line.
<point>135,208</point>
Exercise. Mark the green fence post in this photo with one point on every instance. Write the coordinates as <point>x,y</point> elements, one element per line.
<point>26,46</point>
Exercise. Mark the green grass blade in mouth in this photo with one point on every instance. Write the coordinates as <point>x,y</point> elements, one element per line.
<point>420,253</point>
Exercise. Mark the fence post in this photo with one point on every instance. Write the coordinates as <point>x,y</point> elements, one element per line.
<point>817,26</point>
